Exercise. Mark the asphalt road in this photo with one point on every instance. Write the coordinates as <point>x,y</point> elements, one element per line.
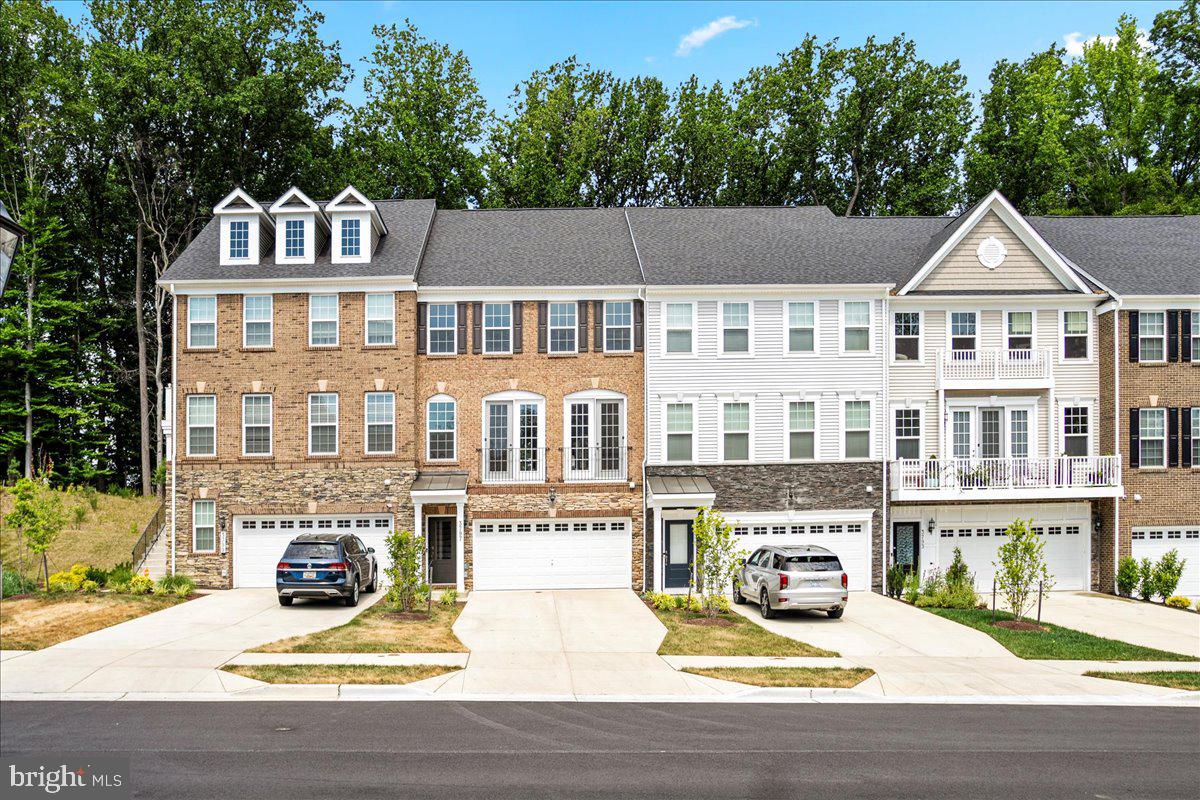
<point>524,750</point>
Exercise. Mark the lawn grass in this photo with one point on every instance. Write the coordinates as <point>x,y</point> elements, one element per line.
<point>1172,679</point>
<point>32,622</point>
<point>338,673</point>
<point>822,677</point>
<point>378,630</point>
<point>103,539</point>
<point>740,638</point>
<point>1058,643</point>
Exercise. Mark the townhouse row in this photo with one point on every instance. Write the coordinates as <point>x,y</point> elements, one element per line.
<point>548,395</point>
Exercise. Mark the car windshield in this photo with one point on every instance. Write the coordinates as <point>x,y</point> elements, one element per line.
<point>813,564</point>
<point>311,550</point>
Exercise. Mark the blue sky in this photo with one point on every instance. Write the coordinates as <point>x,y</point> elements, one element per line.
<point>506,41</point>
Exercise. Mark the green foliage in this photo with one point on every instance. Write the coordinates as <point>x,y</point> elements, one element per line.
<point>404,550</point>
<point>178,584</point>
<point>661,600</point>
<point>69,580</point>
<point>1147,585</point>
<point>97,574</point>
<point>90,587</point>
<point>1127,576</point>
<point>718,558</point>
<point>912,586</point>
<point>119,575</point>
<point>954,588</point>
<point>160,474</point>
<point>78,515</point>
<point>1176,601</point>
<point>958,573</point>
<point>449,597</point>
<point>1167,573</point>
<point>37,513</point>
<point>141,585</point>
<point>1021,568</point>
<point>16,583</point>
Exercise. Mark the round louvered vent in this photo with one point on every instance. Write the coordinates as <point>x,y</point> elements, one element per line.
<point>991,252</point>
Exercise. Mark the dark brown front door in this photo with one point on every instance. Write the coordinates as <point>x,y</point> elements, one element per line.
<point>442,567</point>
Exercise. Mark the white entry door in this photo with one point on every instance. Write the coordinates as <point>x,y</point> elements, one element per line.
<point>259,541</point>
<point>1154,542</point>
<point>552,554</point>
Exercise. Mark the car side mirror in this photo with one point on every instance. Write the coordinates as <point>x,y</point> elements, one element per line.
<point>370,549</point>
<point>745,561</point>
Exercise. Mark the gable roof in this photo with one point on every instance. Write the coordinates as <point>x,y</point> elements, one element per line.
<point>351,199</point>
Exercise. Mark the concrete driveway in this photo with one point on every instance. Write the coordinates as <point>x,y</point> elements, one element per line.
<point>572,643</point>
<point>1126,620</point>
<point>174,650</point>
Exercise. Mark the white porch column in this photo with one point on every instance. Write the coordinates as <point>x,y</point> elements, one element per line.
<point>459,546</point>
<point>656,553</point>
<point>419,530</point>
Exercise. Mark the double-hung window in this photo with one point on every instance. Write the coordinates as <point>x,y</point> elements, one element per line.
<point>857,433</point>
<point>618,326</point>
<point>856,326</point>
<point>1152,336</point>
<point>202,321</point>
<point>1019,335</point>
<point>1075,335</point>
<point>202,425</point>
<point>678,320</point>
<point>204,526</point>
<point>381,319</point>
<point>1195,334</point>
<point>1076,430</point>
<point>802,430</point>
<point>256,320</point>
<point>239,239</point>
<point>802,327</point>
<point>351,237</point>
<point>963,335</point>
<point>563,327</point>
<point>443,322</point>
<point>293,238</point>
<point>497,327</point>
<point>680,431</point>
<point>1195,434</point>
<point>735,327</point>
<point>441,421</point>
<point>1152,437</point>
<point>735,431</point>
<point>908,433</point>
<point>322,320</point>
<point>381,423</point>
<point>257,419</point>
<point>323,424</point>
<point>907,335</point>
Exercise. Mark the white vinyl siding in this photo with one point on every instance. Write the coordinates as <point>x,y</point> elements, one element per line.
<point>322,320</point>
<point>381,319</point>
<point>202,322</point>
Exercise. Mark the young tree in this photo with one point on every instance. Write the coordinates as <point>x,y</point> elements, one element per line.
<point>38,513</point>
<point>718,558</point>
<point>404,549</point>
<point>1021,567</point>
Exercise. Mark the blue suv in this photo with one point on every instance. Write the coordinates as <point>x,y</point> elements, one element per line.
<point>326,565</point>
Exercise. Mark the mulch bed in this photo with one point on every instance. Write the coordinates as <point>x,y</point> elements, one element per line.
<point>1021,625</point>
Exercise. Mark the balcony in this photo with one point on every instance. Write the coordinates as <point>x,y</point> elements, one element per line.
<point>596,464</point>
<point>502,465</point>
<point>1005,478</point>
<point>995,368</point>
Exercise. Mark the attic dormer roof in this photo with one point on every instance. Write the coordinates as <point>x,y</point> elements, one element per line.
<point>238,202</point>
<point>351,199</point>
<point>296,201</point>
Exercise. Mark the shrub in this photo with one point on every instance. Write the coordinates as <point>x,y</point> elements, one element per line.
<point>79,514</point>
<point>1175,601</point>
<point>662,601</point>
<point>718,558</point>
<point>449,597</point>
<point>694,604</point>
<point>93,499</point>
<point>141,585</point>
<point>1021,567</point>
<point>1127,576</point>
<point>958,573</point>
<point>120,574</point>
<point>90,587</point>
<point>422,595</point>
<point>912,586</point>
<point>1146,585</point>
<point>178,584</point>
<point>895,580</point>
<point>69,580</point>
<point>1167,573</point>
<point>16,583</point>
<point>97,574</point>
<point>717,603</point>
<point>927,601</point>
<point>404,550</point>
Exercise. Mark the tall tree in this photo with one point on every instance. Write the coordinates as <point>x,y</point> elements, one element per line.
<point>1176,91</point>
<point>632,123</point>
<point>693,153</point>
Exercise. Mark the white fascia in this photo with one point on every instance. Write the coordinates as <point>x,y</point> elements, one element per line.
<point>782,290</point>
<point>503,294</point>
<point>382,283</point>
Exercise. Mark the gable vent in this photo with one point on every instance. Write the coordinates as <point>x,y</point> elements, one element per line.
<point>991,252</point>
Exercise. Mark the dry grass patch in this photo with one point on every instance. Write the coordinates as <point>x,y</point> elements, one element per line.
<point>690,634</point>
<point>338,673</point>
<point>823,677</point>
<point>380,630</point>
<point>1172,679</point>
<point>33,622</point>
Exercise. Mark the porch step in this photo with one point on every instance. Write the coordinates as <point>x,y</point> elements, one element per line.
<point>154,564</point>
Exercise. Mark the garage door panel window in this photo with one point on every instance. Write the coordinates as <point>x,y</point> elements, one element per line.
<point>257,421</point>
<point>202,425</point>
<point>802,430</point>
<point>1152,432</point>
<point>204,526</point>
<point>381,423</point>
<point>323,424</point>
<point>857,429</point>
<point>442,428</point>
<point>680,431</point>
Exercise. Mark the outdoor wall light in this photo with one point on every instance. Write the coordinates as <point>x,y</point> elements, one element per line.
<point>932,524</point>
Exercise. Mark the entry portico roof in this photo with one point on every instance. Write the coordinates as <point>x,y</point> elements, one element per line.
<point>680,490</point>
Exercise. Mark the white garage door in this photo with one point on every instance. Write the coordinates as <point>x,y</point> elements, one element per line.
<point>1153,543</point>
<point>552,554</point>
<point>259,541</point>
<point>851,542</point>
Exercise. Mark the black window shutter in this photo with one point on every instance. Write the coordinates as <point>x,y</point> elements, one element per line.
<point>1133,336</point>
<point>518,309</point>
<point>582,313</point>
<point>1185,438</point>
<point>639,324</point>
<point>422,316</point>
<point>1172,437</point>
<point>462,329</point>
<point>598,325</point>
<point>1173,335</point>
<point>1135,448</point>
<point>1185,335</point>
<point>477,328</point>
<point>541,326</point>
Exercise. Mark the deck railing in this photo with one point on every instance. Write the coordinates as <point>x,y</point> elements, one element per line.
<point>512,464</point>
<point>984,474</point>
<point>995,364</point>
<point>595,463</point>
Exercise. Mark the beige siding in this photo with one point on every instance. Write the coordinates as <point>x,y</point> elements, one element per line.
<point>960,269</point>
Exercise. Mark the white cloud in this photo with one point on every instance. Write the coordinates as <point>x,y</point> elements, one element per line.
<point>1075,41</point>
<point>701,36</point>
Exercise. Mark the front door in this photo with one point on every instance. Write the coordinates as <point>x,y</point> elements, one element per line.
<point>442,568</point>
<point>906,545</point>
<point>678,571</point>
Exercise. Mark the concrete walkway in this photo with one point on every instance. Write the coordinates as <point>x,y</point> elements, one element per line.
<point>177,649</point>
<point>1133,621</point>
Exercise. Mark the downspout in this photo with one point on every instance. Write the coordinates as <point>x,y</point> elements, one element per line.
<point>885,358</point>
<point>649,537</point>
<point>174,408</point>
<point>1117,413</point>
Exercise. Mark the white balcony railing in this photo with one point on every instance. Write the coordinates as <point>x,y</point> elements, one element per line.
<point>597,463</point>
<point>512,464</point>
<point>987,365</point>
<point>983,475</point>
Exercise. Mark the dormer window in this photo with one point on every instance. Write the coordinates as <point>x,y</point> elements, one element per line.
<point>293,238</point>
<point>304,228</point>
<point>239,239</point>
<point>246,229</point>
<point>356,227</point>
<point>351,237</point>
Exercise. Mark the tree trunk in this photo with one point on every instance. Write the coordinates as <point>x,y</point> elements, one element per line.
<point>46,570</point>
<point>29,290</point>
<point>143,379</point>
<point>158,382</point>
<point>857,188</point>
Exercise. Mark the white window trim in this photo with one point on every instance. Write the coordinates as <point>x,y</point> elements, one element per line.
<point>694,403</point>
<point>920,359</point>
<point>872,424</point>
<point>950,312</point>
<point>368,319</point>
<point>722,401</point>
<point>1194,411</point>
<point>230,258</point>
<point>593,397</point>
<point>787,428</point>
<point>514,398</point>
<point>1165,438</point>
<point>604,311</point>
<point>270,426</point>
<point>551,328</point>
<point>441,398</point>
<point>484,328</point>
<point>816,328</point>
<point>215,527</point>
<point>870,351</point>
<point>891,426</point>
<point>341,235</point>
<point>270,323</point>
<point>187,410</point>
<point>1063,405</point>
<point>1033,337</point>
<point>749,352</point>
<point>1195,339</point>
<point>1165,347</point>
<point>337,320</point>
<point>1009,404</point>
<point>366,439</point>
<point>665,329</point>
<point>216,316</point>
<point>1091,337</point>
<point>337,424</point>
<point>453,333</point>
<point>305,239</point>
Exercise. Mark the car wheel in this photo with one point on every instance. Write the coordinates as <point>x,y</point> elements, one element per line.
<point>836,613</point>
<point>764,605</point>
<point>285,601</point>
<point>351,599</point>
<point>738,597</point>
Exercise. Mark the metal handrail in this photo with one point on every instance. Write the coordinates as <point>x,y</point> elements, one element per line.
<point>149,535</point>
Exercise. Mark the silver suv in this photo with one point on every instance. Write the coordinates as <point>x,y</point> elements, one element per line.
<point>800,578</point>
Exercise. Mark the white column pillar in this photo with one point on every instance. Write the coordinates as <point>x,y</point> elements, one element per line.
<point>459,546</point>
<point>656,544</point>
<point>419,531</point>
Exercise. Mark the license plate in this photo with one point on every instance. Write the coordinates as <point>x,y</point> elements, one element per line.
<point>309,576</point>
